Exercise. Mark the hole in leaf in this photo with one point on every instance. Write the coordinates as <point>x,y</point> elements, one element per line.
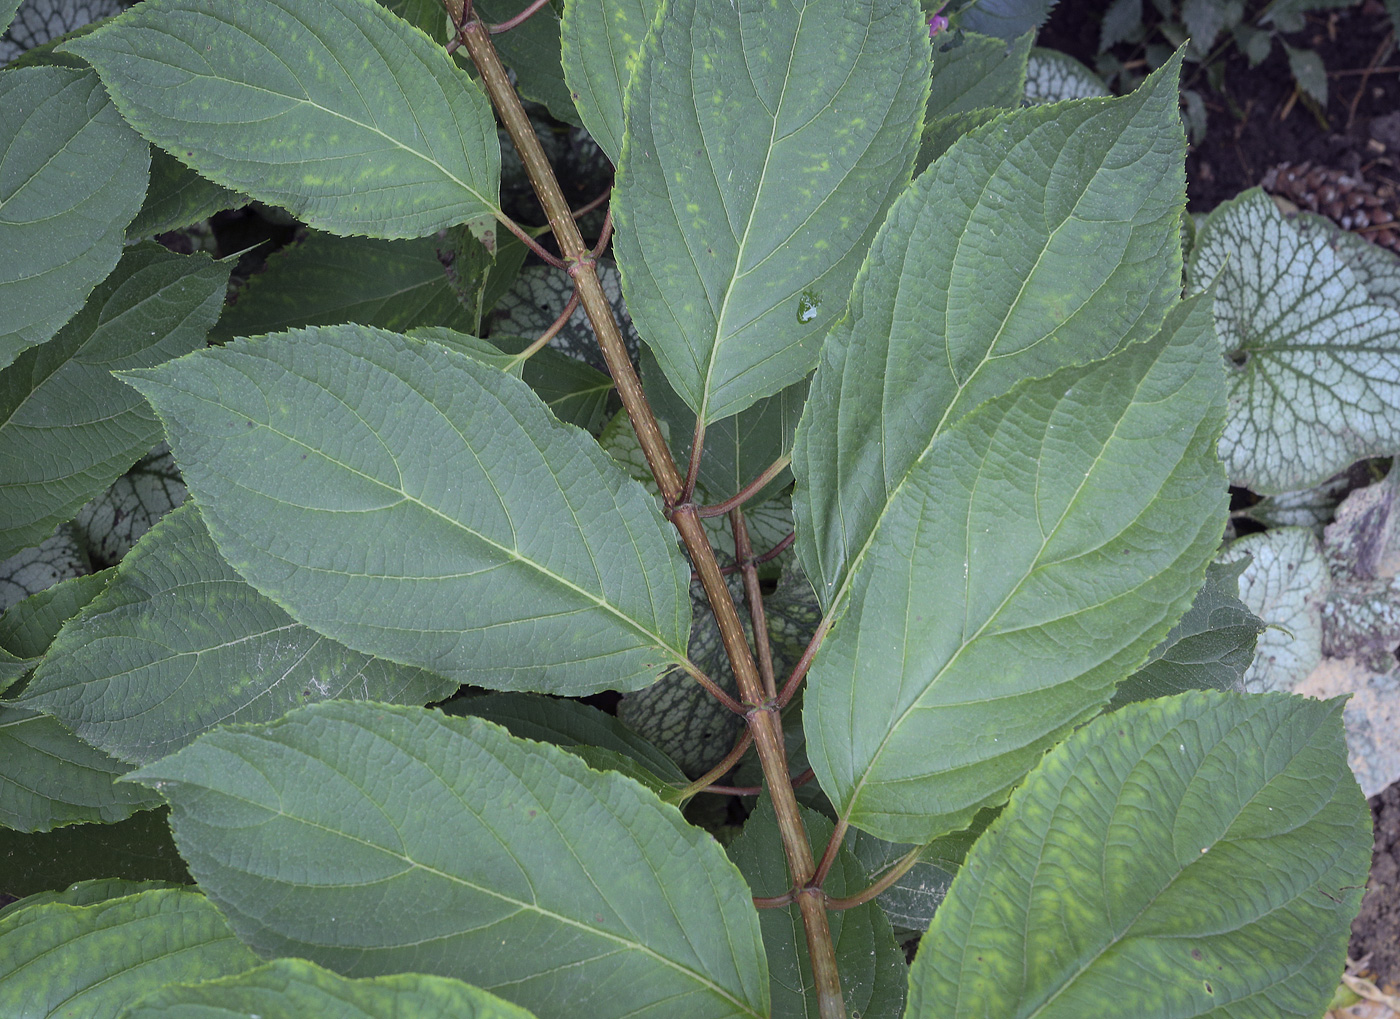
<point>1238,358</point>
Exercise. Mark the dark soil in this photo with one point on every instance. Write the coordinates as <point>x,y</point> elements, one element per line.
<point>1257,122</point>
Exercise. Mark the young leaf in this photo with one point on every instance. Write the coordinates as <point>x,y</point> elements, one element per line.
<point>1006,19</point>
<point>1211,647</point>
<point>294,987</point>
<point>178,197</point>
<point>327,280</point>
<point>871,963</point>
<point>1316,379</point>
<point>178,643</point>
<point>522,559</point>
<point>309,833</point>
<point>67,428</point>
<point>88,893</point>
<point>74,175</point>
<point>602,45</point>
<point>573,726</point>
<point>763,147</point>
<point>64,960</point>
<point>1033,557</point>
<point>972,81</point>
<point>1067,246</point>
<point>137,849</point>
<point>49,777</point>
<point>1212,846</point>
<point>333,109</point>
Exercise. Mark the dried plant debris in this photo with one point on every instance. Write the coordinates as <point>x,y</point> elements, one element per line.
<point>1315,508</point>
<point>1348,199</point>
<point>1334,613</point>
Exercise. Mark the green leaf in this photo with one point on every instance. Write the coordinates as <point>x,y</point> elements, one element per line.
<point>67,428</point>
<point>1196,856</point>
<point>336,110</point>
<point>29,627</point>
<point>88,893</point>
<point>1031,560</point>
<point>736,449</point>
<point>1286,584</point>
<point>602,46</point>
<point>975,72</point>
<point>309,834</point>
<point>1052,76</point>
<point>472,346</point>
<point>531,50</point>
<point>575,391</point>
<point>1308,71</point>
<point>7,13</point>
<point>763,148</point>
<point>178,643</point>
<point>296,988</point>
<point>327,280</point>
<point>1006,19</point>
<point>138,848</point>
<point>1315,383</point>
<point>1068,247</point>
<point>522,558</point>
<point>871,963</point>
<point>50,778</point>
<point>178,197</point>
<point>1211,647</point>
<point>572,726</point>
<point>92,961</point>
<point>74,175</point>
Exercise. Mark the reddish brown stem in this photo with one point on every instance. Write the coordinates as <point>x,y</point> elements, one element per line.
<point>833,846</point>
<point>905,864</point>
<point>569,308</point>
<point>743,551</point>
<point>519,19</point>
<point>703,783</point>
<point>746,493</point>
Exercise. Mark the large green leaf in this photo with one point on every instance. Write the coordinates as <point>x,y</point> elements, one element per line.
<point>377,839</point>
<point>138,848</point>
<point>92,961</point>
<point>7,12</point>
<point>327,280</point>
<point>179,643</point>
<point>296,989</point>
<point>335,109</point>
<point>1031,560</point>
<point>67,428</point>
<point>1196,856</point>
<point>763,145</point>
<point>72,175</point>
<point>872,965</point>
<point>520,557</point>
<point>1067,247</point>
<point>602,45</point>
<point>49,777</point>
<point>1315,383</point>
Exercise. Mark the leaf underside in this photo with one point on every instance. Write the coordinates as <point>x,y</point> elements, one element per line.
<point>309,835</point>
<point>522,558</point>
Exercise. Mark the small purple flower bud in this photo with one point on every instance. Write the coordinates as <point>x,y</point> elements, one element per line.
<point>936,24</point>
